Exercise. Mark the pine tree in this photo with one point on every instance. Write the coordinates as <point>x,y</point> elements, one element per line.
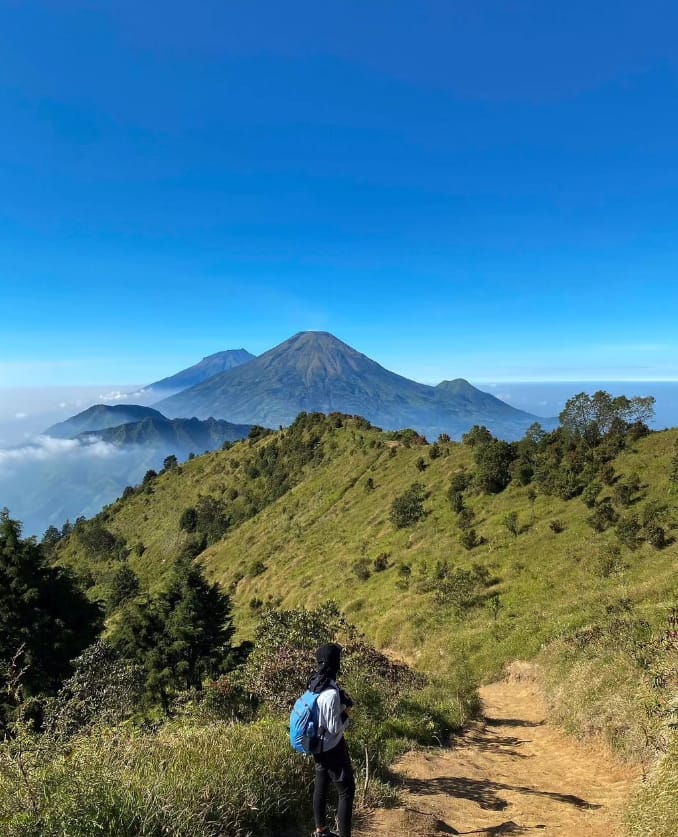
<point>45,619</point>
<point>181,636</point>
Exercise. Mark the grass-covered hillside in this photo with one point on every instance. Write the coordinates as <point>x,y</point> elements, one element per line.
<point>456,557</point>
<point>301,520</point>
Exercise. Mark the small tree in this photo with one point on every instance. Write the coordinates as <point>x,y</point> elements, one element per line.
<point>603,516</point>
<point>169,462</point>
<point>590,494</point>
<point>477,435</point>
<point>124,586</point>
<point>188,520</point>
<point>408,509</point>
<point>457,501</point>
<point>628,531</point>
<point>180,636</point>
<point>44,616</point>
<point>493,462</point>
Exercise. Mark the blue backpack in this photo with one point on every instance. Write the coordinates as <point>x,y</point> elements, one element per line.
<point>305,735</point>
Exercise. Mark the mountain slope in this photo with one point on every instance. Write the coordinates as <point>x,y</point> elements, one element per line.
<point>314,371</point>
<point>99,417</point>
<point>176,436</point>
<point>336,513</point>
<point>207,368</point>
<point>588,604</point>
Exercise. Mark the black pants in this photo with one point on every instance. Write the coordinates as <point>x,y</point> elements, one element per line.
<point>334,766</point>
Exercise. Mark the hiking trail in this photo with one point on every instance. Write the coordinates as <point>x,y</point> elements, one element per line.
<point>510,772</point>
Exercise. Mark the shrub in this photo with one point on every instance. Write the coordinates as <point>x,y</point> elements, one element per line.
<point>381,562</point>
<point>99,543</point>
<point>460,482</point>
<point>361,569</point>
<point>590,494</point>
<point>188,520</point>
<point>610,560</point>
<point>404,574</point>
<point>556,526</point>
<point>256,568</point>
<point>511,524</point>
<point>124,586</point>
<point>102,688</point>
<point>465,518</point>
<point>628,531</point>
<point>469,539</point>
<point>421,464</point>
<point>456,501</point>
<point>603,516</point>
<point>408,509</point>
<point>655,535</point>
<point>623,494</point>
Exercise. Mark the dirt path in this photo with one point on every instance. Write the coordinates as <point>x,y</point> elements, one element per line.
<point>510,773</point>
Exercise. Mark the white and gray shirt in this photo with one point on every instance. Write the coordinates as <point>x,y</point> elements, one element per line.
<point>329,716</point>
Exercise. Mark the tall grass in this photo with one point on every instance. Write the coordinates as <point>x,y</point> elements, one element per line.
<point>216,779</point>
<point>654,811</point>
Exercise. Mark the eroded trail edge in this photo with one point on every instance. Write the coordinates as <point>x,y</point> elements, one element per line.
<point>510,773</point>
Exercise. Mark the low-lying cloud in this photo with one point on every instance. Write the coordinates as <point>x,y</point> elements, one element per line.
<point>43,448</point>
<point>48,481</point>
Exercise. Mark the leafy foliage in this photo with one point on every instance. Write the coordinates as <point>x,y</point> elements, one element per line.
<point>180,636</point>
<point>407,509</point>
<point>45,619</point>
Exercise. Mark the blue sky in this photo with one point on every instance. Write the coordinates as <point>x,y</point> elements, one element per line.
<point>484,189</point>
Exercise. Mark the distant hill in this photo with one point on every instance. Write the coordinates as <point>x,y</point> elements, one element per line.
<point>207,368</point>
<point>178,436</point>
<point>100,417</point>
<point>314,371</point>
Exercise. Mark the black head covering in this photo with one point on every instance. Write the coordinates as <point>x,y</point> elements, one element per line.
<point>328,658</point>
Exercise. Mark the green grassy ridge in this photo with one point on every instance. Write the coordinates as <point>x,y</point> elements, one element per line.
<point>547,581</point>
<point>309,538</point>
<point>550,585</point>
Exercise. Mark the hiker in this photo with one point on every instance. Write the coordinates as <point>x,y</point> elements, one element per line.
<point>333,763</point>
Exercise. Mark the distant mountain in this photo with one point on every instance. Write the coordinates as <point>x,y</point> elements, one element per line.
<point>100,417</point>
<point>314,371</point>
<point>178,436</point>
<point>207,368</point>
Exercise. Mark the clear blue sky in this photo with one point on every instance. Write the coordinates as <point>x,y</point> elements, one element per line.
<point>484,188</point>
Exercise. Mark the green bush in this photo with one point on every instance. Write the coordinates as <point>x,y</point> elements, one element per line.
<point>407,509</point>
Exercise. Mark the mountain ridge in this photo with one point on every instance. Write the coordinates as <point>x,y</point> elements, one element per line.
<point>317,372</point>
<point>178,436</point>
<point>100,417</point>
<point>206,368</point>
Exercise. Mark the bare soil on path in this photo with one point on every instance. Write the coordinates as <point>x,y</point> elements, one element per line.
<point>509,773</point>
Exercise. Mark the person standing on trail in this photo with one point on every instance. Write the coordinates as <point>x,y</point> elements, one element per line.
<point>333,763</point>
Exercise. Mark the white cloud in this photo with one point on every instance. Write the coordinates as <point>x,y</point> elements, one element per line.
<point>119,395</point>
<point>21,415</point>
<point>43,448</point>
